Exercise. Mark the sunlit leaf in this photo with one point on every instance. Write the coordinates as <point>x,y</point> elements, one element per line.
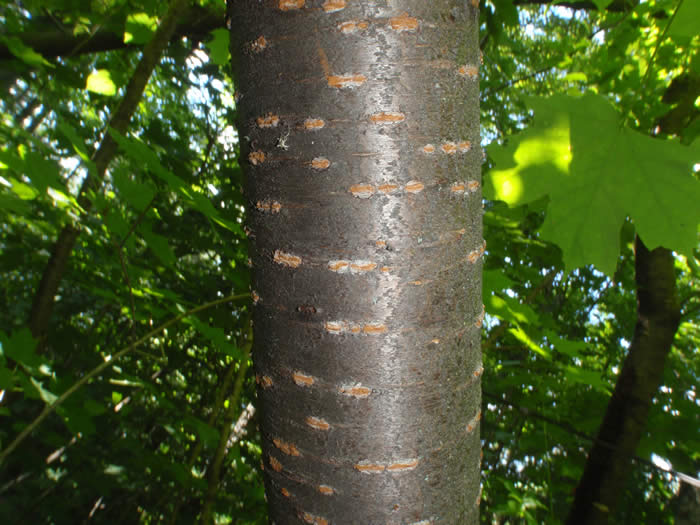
<point>100,81</point>
<point>114,470</point>
<point>509,309</point>
<point>596,173</point>
<point>139,28</point>
<point>522,336</point>
<point>23,191</point>
<point>25,53</point>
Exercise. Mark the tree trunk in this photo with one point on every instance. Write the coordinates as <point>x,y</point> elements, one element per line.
<point>687,504</point>
<point>359,125</point>
<point>609,461</point>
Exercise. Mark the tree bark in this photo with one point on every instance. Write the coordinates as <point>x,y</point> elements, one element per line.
<point>687,504</point>
<point>609,461</point>
<point>360,139</point>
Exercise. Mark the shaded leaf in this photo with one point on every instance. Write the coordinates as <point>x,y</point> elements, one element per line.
<point>20,347</point>
<point>208,434</point>
<point>219,47</point>
<point>686,22</point>
<point>6,381</point>
<point>159,246</point>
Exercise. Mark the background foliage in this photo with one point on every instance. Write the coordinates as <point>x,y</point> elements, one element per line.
<point>607,94</point>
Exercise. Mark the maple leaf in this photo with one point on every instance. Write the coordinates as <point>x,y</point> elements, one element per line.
<point>597,173</point>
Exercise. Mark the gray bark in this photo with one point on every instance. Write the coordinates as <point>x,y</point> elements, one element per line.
<point>359,125</point>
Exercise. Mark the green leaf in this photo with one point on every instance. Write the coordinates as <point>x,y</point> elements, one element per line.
<point>100,81</point>
<point>77,142</point>
<point>11,160</point>
<point>685,24</point>
<point>510,309</point>
<point>506,13</point>
<point>20,347</point>
<point>219,47</point>
<point>25,53</point>
<point>217,336</point>
<point>94,408</point>
<point>521,336</point>
<point>139,28</point>
<point>10,203</point>
<point>44,394</point>
<point>44,173</point>
<point>495,281</point>
<point>602,4</point>
<point>137,193</point>
<point>76,419</point>
<point>143,155</point>
<point>596,173</point>
<point>159,246</point>
<point>23,191</point>
<point>586,377</point>
<point>569,348</point>
<point>208,434</point>
<point>6,381</point>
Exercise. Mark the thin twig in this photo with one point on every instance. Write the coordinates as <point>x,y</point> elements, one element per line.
<point>138,221</point>
<point>120,255</point>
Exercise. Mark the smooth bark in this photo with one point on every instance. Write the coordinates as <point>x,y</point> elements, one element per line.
<point>360,139</point>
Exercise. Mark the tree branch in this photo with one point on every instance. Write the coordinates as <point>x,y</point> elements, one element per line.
<point>42,305</point>
<point>196,24</point>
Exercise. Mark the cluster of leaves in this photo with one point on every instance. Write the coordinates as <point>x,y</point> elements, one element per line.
<point>141,439</point>
<point>591,87</point>
<point>163,234</point>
